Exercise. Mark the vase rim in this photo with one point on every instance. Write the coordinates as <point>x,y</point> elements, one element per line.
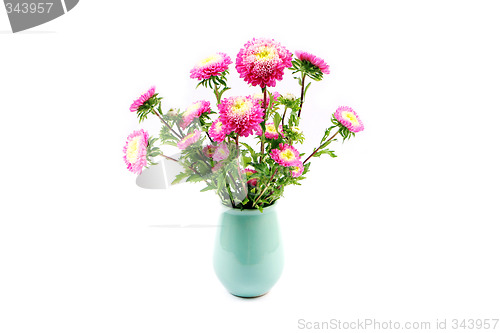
<point>249,211</point>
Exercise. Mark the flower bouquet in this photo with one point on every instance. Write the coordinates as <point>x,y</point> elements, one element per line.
<point>244,148</point>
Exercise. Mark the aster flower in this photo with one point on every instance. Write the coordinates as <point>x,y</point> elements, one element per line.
<point>194,111</point>
<point>136,151</point>
<point>313,60</point>
<point>189,139</point>
<point>297,170</point>
<point>249,172</point>
<point>271,132</point>
<point>209,150</point>
<point>217,130</point>
<point>262,61</point>
<point>241,114</point>
<point>349,118</point>
<point>221,152</point>
<point>213,65</point>
<point>142,99</point>
<point>286,155</point>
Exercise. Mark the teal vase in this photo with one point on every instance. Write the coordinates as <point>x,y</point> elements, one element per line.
<point>248,256</point>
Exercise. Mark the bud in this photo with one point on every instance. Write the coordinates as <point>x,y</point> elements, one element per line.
<point>172,112</point>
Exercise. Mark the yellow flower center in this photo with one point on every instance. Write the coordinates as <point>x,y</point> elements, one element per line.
<point>270,128</point>
<point>352,118</point>
<point>209,60</point>
<point>218,126</point>
<point>192,108</point>
<point>287,155</point>
<point>240,106</point>
<point>266,53</point>
<point>132,150</point>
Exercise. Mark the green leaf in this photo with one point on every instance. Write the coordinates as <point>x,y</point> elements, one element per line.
<point>276,120</point>
<point>179,178</point>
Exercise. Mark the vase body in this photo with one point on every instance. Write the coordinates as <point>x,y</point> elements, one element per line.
<point>248,256</point>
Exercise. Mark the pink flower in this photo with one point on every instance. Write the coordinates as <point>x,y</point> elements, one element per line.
<point>271,132</point>
<point>189,139</point>
<point>136,151</point>
<point>217,130</point>
<point>241,114</point>
<point>249,172</point>
<point>143,99</point>
<point>286,155</point>
<point>262,61</point>
<point>211,66</point>
<point>221,153</point>
<point>316,61</point>
<point>209,150</point>
<point>349,118</point>
<point>297,170</point>
<point>194,111</point>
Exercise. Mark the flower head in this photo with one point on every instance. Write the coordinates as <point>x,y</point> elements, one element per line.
<point>211,66</point>
<point>286,155</point>
<point>262,61</point>
<point>271,132</point>
<point>189,139</point>
<point>136,151</point>
<point>221,152</point>
<point>349,118</point>
<point>315,61</point>
<point>209,150</point>
<point>142,99</point>
<point>249,172</point>
<point>241,114</point>
<point>217,130</point>
<point>297,170</point>
<point>194,111</point>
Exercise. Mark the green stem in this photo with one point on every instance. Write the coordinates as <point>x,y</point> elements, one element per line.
<point>302,92</point>
<point>166,124</point>
<point>243,185</point>
<point>265,189</point>
<point>263,131</point>
<point>321,146</point>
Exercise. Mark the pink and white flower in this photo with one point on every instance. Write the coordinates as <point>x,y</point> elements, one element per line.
<point>221,152</point>
<point>209,150</point>
<point>349,118</point>
<point>189,139</point>
<point>142,99</point>
<point>315,61</point>
<point>297,170</point>
<point>211,66</point>
<point>136,151</point>
<point>241,115</point>
<point>194,111</point>
<point>217,130</point>
<point>286,155</point>
<point>262,62</point>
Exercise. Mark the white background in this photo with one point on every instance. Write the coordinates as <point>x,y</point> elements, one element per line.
<point>402,226</point>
